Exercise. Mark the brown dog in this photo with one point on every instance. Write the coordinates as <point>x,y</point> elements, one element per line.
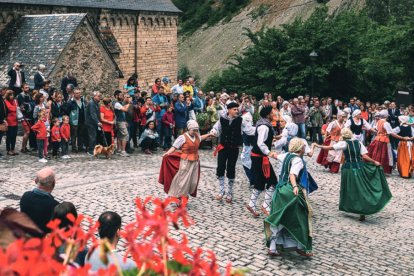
<point>107,151</point>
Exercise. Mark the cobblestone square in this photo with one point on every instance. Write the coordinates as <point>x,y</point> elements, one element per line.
<point>382,245</point>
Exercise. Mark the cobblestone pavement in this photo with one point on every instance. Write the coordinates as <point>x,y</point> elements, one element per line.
<point>381,245</point>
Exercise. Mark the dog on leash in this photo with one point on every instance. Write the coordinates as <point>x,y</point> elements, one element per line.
<point>107,151</point>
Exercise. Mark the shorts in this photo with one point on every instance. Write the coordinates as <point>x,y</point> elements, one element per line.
<point>26,126</point>
<point>122,131</point>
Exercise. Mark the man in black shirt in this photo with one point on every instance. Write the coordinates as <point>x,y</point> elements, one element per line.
<point>39,204</point>
<point>3,114</point>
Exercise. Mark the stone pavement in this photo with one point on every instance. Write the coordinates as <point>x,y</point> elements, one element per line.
<point>381,245</point>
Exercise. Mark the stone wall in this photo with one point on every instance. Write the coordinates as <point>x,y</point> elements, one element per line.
<point>148,40</point>
<point>89,62</point>
<point>157,47</point>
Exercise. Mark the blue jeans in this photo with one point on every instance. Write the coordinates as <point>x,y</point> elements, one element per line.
<point>302,131</point>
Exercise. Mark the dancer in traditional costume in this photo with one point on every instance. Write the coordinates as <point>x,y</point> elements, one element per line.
<point>181,179</point>
<point>248,141</point>
<point>405,152</point>
<point>332,159</point>
<point>357,124</point>
<point>380,148</point>
<point>229,130</point>
<point>364,189</point>
<point>264,177</point>
<point>290,130</point>
<point>289,223</point>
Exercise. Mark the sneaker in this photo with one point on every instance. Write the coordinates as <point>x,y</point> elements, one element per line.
<point>124,154</point>
<point>89,154</point>
<point>65,157</point>
<point>42,160</point>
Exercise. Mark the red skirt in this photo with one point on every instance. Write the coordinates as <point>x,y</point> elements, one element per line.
<point>378,151</point>
<point>169,168</point>
<point>323,154</point>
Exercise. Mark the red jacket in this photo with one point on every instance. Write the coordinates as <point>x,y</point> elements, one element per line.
<point>168,118</point>
<point>65,131</point>
<point>40,129</point>
<point>56,134</point>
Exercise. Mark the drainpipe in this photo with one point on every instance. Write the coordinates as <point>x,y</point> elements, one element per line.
<point>136,45</point>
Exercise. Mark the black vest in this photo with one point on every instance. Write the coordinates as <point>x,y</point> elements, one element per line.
<point>356,129</point>
<point>231,133</point>
<point>268,141</point>
<point>405,131</point>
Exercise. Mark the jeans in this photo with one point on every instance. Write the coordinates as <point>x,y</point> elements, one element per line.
<point>40,145</point>
<point>302,131</point>
<point>56,147</point>
<point>65,146</point>
<point>167,131</point>
<point>11,135</point>
<point>92,134</point>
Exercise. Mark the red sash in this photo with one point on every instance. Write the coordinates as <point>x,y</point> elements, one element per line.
<point>265,164</point>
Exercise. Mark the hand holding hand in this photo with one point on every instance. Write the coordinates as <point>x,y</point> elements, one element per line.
<point>377,163</point>
<point>296,190</point>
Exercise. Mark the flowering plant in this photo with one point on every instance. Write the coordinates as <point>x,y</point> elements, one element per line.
<point>148,243</point>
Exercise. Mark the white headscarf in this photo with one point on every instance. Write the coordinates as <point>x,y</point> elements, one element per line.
<point>287,119</point>
<point>403,119</point>
<point>383,113</point>
<point>192,124</point>
<point>347,110</point>
<point>356,112</point>
<point>341,114</point>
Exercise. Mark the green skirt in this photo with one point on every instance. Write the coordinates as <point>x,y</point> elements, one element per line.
<point>364,189</point>
<point>293,213</point>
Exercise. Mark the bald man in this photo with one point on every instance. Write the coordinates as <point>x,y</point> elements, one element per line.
<point>39,203</point>
<point>16,78</point>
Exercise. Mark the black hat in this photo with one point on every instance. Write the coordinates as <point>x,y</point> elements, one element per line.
<point>232,105</point>
<point>265,111</point>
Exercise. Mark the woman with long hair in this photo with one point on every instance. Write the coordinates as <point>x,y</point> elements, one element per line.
<point>108,121</point>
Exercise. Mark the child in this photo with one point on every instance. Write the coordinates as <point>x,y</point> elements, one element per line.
<point>168,125</point>
<point>56,138</point>
<point>148,140</point>
<point>41,135</point>
<point>65,135</point>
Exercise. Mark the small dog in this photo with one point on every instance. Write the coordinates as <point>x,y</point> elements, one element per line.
<point>107,151</point>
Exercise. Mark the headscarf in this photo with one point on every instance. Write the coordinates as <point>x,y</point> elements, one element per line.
<point>383,113</point>
<point>341,114</point>
<point>192,124</point>
<point>287,119</point>
<point>224,96</point>
<point>346,133</point>
<point>356,113</point>
<point>347,110</point>
<point>403,119</point>
<point>295,145</point>
<point>285,102</point>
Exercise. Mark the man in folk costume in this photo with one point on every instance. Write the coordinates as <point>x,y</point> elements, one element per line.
<point>357,124</point>
<point>380,148</point>
<point>364,188</point>
<point>331,158</point>
<point>264,177</point>
<point>181,178</point>
<point>229,130</point>
<point>405,152</point>
<point>248,141</point>
<point>289,223</point>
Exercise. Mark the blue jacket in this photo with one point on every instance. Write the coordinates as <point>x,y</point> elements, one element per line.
<point>199,104</point>
<point>160,100</point>
<point>180,115</point>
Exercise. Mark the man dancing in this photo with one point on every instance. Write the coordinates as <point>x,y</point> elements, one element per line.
<point>264,176</point>
<point>229,130</point>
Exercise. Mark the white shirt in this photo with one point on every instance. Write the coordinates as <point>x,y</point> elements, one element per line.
<point>342,145</point>
<point>297,164</point>
<point>177,89</point>
<point>118,106</point>
<point>387,127</point>
<point>365,124</point>
<point>262,135</point>
<point>18,79</point>
<point>179,142</point>
<point>332,125</point>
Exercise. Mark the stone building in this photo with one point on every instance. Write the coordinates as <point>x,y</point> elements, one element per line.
<point>62,42</point>
<point>140,35</point>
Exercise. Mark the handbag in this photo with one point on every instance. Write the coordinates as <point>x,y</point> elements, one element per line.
<point>3,127</point>
<point>19,112</point>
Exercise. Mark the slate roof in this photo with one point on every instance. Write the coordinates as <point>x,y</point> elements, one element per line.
<point>34,40</point>
<point>135,5</point>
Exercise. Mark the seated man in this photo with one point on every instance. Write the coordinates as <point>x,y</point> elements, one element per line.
<point>109,228</point>
<point>39,204</point>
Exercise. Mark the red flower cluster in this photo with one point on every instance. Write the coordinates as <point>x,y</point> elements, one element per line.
<point>148,242</point>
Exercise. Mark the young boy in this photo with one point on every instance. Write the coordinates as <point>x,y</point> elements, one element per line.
<point>56,138</point>
<point>41,135</point>
<point>65,135</point>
